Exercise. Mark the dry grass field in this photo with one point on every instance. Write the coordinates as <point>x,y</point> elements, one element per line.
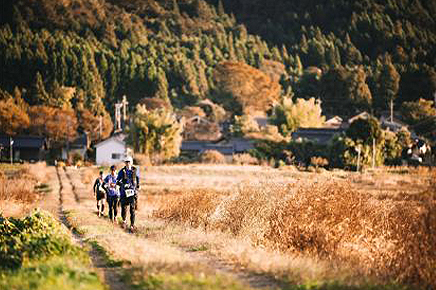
<point>244,227</point>
<point>378,225</point>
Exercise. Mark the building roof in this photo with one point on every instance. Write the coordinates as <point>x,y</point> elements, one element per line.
<point>334,122</point>
<point>364,115</point>
<point>23,141</point>
<point>114,138</point>
<point>318,135</point>
<point>230,147</point>
<point>193,145</point>
<point>223,149</point>
<point>241,144</point>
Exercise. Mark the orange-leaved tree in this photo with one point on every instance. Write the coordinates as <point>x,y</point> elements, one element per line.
<point>243,86</point>
<point>59,125</point>
<point>13,117</point>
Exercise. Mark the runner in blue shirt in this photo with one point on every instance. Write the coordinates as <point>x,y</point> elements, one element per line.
<point>113,193</point>
<point>128,180</point>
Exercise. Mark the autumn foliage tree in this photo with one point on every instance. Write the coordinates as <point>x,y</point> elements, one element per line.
<point>90,123</point>
<point>156,133</point>
<point>58,125</point>
<point>13,118</point>
<point>245,86</point>
<point>288,116</point>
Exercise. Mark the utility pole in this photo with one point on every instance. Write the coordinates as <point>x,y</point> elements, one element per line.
<point>68,138</point>
<point>358,158</point>
<point>118,117</point>
<point>373,153</point>
<point>392,110</point>
<point>124,103</point>
<point>100,127</point>
<point>11,142</point>
<point>434,95</point>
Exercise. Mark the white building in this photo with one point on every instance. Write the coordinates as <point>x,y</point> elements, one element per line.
<point>111,151</point>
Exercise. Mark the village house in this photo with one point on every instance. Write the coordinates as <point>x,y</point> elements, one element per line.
<point>225,147</point>
<point>317,135</point>
<point>24,148</point>
<point>334,122</point>
<point>112,150</point>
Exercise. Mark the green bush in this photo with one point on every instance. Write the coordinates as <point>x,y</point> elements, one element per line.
<point>288,152</point>
<point>343,153</point>
<point>365,131</point>
<point>35,236</point>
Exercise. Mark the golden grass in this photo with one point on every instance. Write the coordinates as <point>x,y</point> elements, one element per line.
<point>16,185</point>
<point>212,156</point>
<point>387,237</point>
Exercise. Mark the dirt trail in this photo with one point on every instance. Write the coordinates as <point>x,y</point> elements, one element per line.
<point>199,258</point>
<point>257,281</point>
<point>110,275</point>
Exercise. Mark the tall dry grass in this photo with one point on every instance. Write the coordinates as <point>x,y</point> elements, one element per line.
<point>17,185</point>
<point>17,190</point>
<point>182,209</point>
<point>387,237</point>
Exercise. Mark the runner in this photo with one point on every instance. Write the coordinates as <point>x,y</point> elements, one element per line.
<point>113,193</point>
<point>99,193</point>
<point>128,179</point>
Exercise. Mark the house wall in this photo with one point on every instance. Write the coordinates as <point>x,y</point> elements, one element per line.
<point>29,154</point>
<point>105,151</point>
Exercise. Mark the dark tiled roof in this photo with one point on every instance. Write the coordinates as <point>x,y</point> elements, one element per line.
<point>224,149</point>
<point>193,145</point>
<point>241,145</point>
<point>230,147</point>
<point>23,141</point>
<point>319,135</point>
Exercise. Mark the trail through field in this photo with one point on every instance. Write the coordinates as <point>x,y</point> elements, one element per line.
<point>63,194</point>
<point>148,247</point>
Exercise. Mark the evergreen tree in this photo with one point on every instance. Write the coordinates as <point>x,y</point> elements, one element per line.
<point>220,11</point>
<point>359,93</point>
<point>389,84</point>
<point>162,86</point>
<point>39,94</point>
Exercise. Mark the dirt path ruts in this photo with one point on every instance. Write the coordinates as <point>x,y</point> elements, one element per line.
<point>110,275</point>
<point>257,281</point>
<point>76,196</point>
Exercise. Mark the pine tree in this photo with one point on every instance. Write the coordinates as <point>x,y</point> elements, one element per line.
<point>388,84</point>
<point>39,94</point>
<point>221,11</point>
<point>176,8</point>
<point>162,85</point>
<point>359,93</point>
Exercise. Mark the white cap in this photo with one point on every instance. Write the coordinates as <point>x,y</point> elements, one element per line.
<point>128,159</point>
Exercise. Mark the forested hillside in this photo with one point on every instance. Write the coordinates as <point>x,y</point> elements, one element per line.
<point>142,49</point>
<point>349,33</point>
<point>83,55</point>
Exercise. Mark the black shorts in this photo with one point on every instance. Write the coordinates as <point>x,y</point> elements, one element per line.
<point>100,195</point>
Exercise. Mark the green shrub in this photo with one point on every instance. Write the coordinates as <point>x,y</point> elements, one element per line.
<point>35,236</point>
